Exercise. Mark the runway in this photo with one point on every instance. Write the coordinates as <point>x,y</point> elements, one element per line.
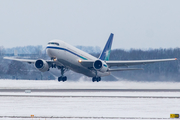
<point>73,96</point>
<point>81,117</point>
<point>18,107</point>
<point>91,90</point>
<point>85,100</point>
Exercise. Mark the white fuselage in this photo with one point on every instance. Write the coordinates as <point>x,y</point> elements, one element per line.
<point>69,56</point>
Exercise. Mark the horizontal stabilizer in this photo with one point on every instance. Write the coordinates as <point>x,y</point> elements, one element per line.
<point>124,69</point>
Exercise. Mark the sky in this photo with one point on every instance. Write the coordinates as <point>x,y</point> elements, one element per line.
<point>139,24</point>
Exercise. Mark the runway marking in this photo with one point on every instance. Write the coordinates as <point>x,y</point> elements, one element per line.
<point>91,90</point>
<point>82,117</point>
<point>157,97</point>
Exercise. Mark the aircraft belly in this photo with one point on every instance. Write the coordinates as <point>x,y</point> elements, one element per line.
<point>80,69</point>
<point>101,74</point>
<point>77,68</point>
<point>71,61</point>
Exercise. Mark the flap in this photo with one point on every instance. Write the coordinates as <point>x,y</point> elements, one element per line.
<point>87,63</point>
<point>136,62</point>
<point>124,69</point>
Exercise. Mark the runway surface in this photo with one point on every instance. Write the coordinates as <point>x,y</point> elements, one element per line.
<point>71,117</point>
<point>160,97</point>
<point>51,100</point>
<point>91,90</point>
<point>21,107</point>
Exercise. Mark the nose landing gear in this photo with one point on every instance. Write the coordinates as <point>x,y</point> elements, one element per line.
<point>62,77</point>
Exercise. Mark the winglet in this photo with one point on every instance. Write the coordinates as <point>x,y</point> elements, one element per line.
<point>107,49</point>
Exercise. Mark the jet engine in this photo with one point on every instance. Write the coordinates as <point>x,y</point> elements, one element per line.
<point>41,65</point>
<point>100,66</point>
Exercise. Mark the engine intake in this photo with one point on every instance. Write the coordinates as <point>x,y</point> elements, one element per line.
<point>41,65</point>
<point>97,64</point>
<point>100,66</point>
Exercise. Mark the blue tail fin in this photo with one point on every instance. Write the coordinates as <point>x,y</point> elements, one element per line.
<point>107,49</point>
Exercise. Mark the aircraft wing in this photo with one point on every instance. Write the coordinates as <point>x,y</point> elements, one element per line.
<point>136,62</point>
<point>124,69</point>
<point>89,63</point>
<point>25,60</point>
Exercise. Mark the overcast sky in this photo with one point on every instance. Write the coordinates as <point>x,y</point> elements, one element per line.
<point>140,24</point>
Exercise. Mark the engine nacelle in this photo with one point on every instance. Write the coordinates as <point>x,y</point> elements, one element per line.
<point>41,65</point>
<point>100,66</point>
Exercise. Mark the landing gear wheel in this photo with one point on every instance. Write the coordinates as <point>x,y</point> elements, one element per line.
<point>93,79</point>
<point>96,79</point>
<point>59,79</point>
<point>64,78</point>
<point>99,79</point>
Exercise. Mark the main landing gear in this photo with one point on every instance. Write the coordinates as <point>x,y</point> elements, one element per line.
<point>96,79</point>
<point>62,77</point>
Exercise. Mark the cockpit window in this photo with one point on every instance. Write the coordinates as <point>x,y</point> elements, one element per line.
<point>53,43</point>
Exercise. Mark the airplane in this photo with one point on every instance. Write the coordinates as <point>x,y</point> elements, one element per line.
<point>67,57</point>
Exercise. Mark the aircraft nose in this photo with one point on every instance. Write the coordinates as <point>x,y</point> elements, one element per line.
<point>49,52</point>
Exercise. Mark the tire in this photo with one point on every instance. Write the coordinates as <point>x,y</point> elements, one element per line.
<point>98,79</point>
<point>93,79</point>
<point>60,79</point>
<point>64,78</point>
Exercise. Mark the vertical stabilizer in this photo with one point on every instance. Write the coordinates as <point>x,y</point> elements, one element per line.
<point>107,49</point>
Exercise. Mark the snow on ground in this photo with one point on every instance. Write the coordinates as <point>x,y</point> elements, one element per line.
<point>44,84</point>
<point>88,106</point>
<point>83,118</point>
<point>96,94</point>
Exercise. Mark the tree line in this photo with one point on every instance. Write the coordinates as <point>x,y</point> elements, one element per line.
<point>163,71</point>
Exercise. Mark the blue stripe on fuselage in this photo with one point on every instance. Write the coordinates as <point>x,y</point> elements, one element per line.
<point>66,50</point>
